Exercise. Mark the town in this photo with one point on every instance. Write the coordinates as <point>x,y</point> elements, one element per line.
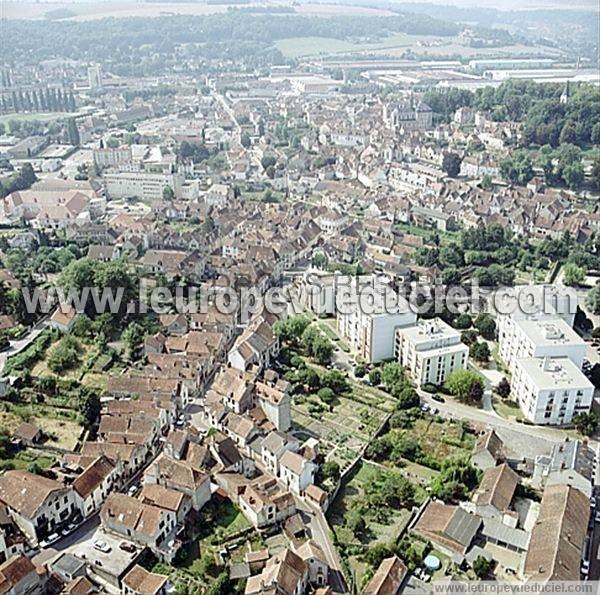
<point>297,299</point>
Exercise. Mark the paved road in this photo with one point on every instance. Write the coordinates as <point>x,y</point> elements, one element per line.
<point>20,344</point>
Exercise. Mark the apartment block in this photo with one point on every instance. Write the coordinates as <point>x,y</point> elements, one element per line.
<point>551,390</point>
<point>430,351</point>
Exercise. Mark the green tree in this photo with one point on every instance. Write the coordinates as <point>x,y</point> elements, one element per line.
<point>73,132</point>
<point>482,567</point>
<point>375,376</point>
<point>331,470</point>
<point>592,300</point>
<point>503,388</point>
<point>133,337</point>
<point>451,164</point>
<point>480,352</point>
<point>486,325</point>
<point>573,275</point>
<point>586,423</point>
<point>168,194</point>
<point>460,383</point>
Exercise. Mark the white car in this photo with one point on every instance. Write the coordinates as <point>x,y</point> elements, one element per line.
<point>585,567</point>
<point>102,546</point>
<point>593,502</point>
<point>598,516</point>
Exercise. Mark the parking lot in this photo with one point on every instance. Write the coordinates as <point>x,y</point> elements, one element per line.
<point>109,564</point>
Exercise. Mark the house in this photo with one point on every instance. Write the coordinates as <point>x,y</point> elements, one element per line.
<point>557,539</point>
<point>28,435</point>
<point>488,450</point>
<point>264,504</point>
<point>572,463</point>
<point>274,446</point>
<point>95,483</point>
<point>182,477</point>
<point>496,491</point>
<point>450,528</point>
<point>38,505</point>
<point>166,498</point>
<point>63,321</point>
<point>139,581</point>
<point>19,576</point>
<point>296,472</point>
<point>388,578</point>
<point>80,586</point>
<point>276,404</point>
<point>68,567</point>
<point>285,573</point>
<point>144,524</point>
<point>316,561</point>
<point>257,345</point>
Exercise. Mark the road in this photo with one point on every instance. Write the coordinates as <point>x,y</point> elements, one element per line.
<point>319,530</point>
<point>19,344</point>
<point>520,439</point>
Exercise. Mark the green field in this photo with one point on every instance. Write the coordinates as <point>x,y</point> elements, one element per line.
<point>296,47</point>
<point>40,117</point>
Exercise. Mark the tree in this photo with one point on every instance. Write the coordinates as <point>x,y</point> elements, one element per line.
<point>451,164</point>
<point>460,383</point>
<point>480,352</point>
<point>596,333</point>
<point>326,395</point>
<point>486,325</point>
<point>375,376</point>
<point>73,132</point>
<point>503,388</point>
<point>586,423</point>
<point>65,355</point>
<point>573,275</point>
<point>331,470</point>
<point>463,322</point>
<point>592,300</point>
<point>360,370</point>
<point>168,194</point>
<point>355,521</point>
<point>245,140</point>
<point>132,337</point>
<point>482,567</point>
<point>336,381</point>
<point>408,398</point>
<point>291,330</point>
<point>91,407</point>
<point>392,374</point>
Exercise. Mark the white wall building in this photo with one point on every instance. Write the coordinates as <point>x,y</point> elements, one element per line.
<point>368,314</point>
<point>430,351</point>
<point>142,184</point>
<point>551,390</point>
<point>539,338</point>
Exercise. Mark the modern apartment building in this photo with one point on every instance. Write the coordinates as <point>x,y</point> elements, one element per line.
<point>430,351</point>
<point>551,390</point>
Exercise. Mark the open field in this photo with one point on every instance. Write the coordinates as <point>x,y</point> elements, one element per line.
<point>62,433</point>
<point>40,117</point>
<point>86,11</point>
<point>296,47</point>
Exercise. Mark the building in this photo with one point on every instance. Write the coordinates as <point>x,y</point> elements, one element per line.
<point>570,463</point>
<point>495,494</point>
<point>95,483</point>
<point>144,524</point>
<point>430,350</point>
<point>551,390</point>
<point>406,116</point>
<point>368,318</point>
<point>557,539</point>
<point>19,576</point>
<point>39,506</point>
<point>142,184</point>
<point>388,578</point>
<point>296,472</point>
<point>488,451</point>
<point>532,337</point>
<point>139,581</point>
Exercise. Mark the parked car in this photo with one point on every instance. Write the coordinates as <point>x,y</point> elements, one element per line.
<point>102,546</point>
<point>127,547</point>
<point>438,398</point>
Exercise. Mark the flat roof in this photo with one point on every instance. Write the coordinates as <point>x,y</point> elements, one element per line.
<point>554,373</point>
<point>550,332</point>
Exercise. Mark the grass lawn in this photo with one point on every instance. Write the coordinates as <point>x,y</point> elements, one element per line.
<point>507,408</point>
<point>441,440</point>
<point>62,433</point>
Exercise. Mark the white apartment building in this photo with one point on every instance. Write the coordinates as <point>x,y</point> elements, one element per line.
<point>533,337</point>
<point>551,390</point>
<point>142,184</point>
<point>368,319</point>
<point>430,351</point>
